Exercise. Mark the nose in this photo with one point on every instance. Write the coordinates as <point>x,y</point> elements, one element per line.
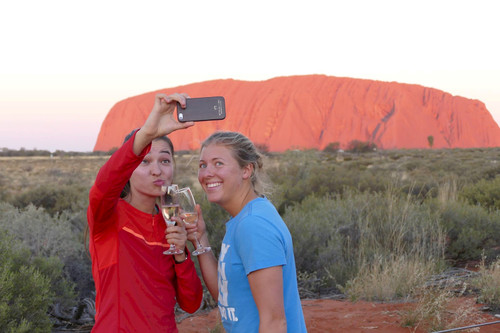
<point>206,172</point>
<point>155,169</point>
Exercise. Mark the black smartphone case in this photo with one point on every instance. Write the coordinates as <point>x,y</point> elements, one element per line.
<point>202,109</point>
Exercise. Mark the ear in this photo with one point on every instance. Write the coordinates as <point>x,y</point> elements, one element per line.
<point>247,171</point>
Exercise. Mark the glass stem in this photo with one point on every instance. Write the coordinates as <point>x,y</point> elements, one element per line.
<point>198,244</point>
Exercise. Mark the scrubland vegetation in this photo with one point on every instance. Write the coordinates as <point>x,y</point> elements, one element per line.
<point>372,225</point>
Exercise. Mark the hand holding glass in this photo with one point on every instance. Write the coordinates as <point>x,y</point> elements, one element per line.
<point>169,208</point>
<point>189,215</point>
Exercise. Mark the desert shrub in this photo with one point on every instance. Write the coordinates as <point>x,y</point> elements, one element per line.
<point>4,180</point>
<point>437,309</point>
<point>43,234</point>
<point>488,283</point>
<point>25,292</point>
<point>470,230</point>
<point>54,198</point>
<point>262,148</point>
<point>485,193</point>
<point>430,141</point>
<point>356,146</point>
<point>420,190</point>
<point>447,191</point>
<point>491,172</point>
<point>296,175</point>
<point>342,233</point>
<point>299,174</point>
<point>317,234</point>
<point>311,285</point>
<point>23,152</point>
<point>449,163</point>
<point>469,165</point>
<point>412,165</point>
<point>45,153</point>
<point>54,238</point>
<point>367,181</point>
<point>390,278</point>
<point>332,147</point>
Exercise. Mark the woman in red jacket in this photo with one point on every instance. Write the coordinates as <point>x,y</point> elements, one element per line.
<point>137,285</point>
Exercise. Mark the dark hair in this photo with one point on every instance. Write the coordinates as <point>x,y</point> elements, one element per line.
<point>245,152</point>
<point>126,189</point>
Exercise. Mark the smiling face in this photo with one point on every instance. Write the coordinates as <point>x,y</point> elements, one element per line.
<point>223,180</point>
<point>155,170</point>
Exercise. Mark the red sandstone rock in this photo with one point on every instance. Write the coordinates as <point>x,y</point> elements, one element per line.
<point>315,110</point>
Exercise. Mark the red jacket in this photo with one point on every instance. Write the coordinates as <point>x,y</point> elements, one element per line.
<point>136,284</point>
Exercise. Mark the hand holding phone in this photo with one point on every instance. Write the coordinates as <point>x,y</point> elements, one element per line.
<point>202,109</point>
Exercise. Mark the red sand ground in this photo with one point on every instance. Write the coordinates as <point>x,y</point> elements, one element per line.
<point>326,315</point>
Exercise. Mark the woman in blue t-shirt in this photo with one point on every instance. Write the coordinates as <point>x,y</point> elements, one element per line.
<point>254,281</point>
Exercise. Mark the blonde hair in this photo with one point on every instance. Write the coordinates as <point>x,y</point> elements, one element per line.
<point>245,153</point>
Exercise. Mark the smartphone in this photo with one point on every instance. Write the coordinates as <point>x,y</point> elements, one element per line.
<point>202,108</point>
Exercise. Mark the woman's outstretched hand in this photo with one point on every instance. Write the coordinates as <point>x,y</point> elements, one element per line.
<point>161,120</point>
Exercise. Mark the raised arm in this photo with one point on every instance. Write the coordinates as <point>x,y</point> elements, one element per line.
<point>115,173</point>
<point>161,121</point>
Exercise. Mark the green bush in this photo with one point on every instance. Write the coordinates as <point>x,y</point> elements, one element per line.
<point>335,236</point>
<point>55,199</point>
<point>302,173</point>
<point>488,283</point>
<point>470,231</point>
<point>54,239</point>
<point>332,147</point>
<point>25,292</point>
<point>357,146</point>
<point>390,278</point>
<point>323,241</point>
<point>485,193</point>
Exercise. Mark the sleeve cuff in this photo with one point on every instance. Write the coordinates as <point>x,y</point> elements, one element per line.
<point>185,259</point>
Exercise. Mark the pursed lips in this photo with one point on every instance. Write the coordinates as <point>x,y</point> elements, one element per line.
<point>159,182</point>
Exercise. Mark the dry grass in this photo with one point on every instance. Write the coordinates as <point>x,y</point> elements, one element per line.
<point>19,173</point>
<point>389,279</point>
<point>488,283</point>
<point>441,309</point>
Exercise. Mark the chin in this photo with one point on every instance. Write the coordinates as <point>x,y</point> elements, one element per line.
<point>213,198</point>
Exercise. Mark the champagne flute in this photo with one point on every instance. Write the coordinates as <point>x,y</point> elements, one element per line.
<point>189,215</point>
<point>169,208</point>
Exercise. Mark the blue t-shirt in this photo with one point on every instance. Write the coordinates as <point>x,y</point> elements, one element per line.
<point>256,238</point>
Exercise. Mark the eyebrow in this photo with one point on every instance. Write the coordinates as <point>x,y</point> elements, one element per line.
<point>165,152</point>
<point>212,159</point>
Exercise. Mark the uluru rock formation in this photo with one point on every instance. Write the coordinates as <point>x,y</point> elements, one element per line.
<point>313,111</point>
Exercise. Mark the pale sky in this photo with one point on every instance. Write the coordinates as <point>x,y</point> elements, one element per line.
<point>64,63</point>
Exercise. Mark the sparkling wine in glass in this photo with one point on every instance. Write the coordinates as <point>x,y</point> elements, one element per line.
<point>169,208</point>
<point>190,216</point>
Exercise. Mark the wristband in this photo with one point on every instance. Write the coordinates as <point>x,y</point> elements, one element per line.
<point>180,262</point>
